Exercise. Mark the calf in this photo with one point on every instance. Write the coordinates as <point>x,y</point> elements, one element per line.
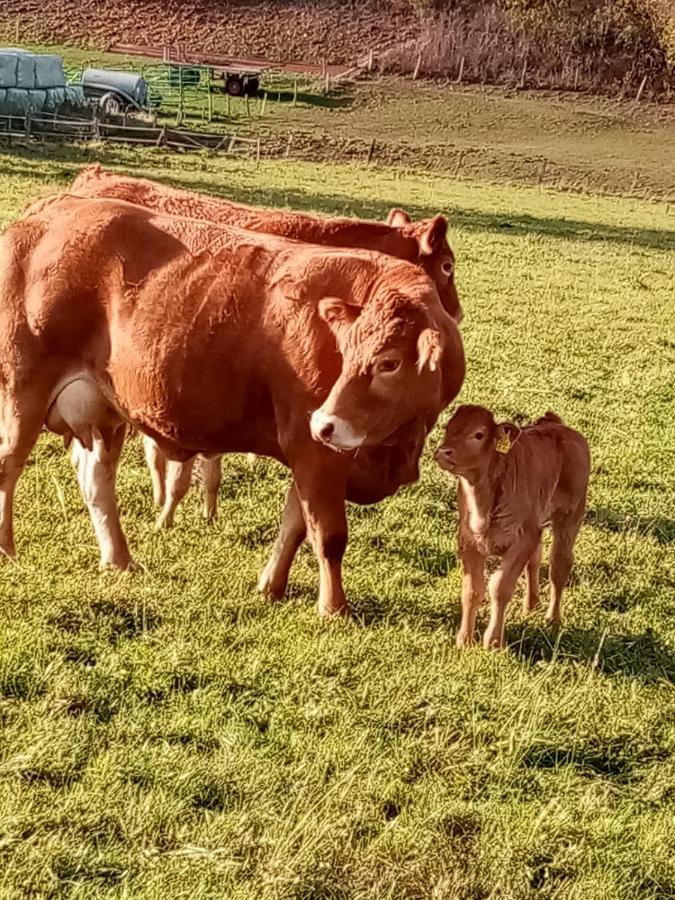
<point>511,482</point>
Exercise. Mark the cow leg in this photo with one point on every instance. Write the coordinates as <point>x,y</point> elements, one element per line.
<point>321,487</point>
<point>96,474</point>
<point>502,585</point>
<point>274,577</point>
<point>157,464</point>
<point>18,434</point>
<point>178,478</point>
<point>473,593</point>
<point>531,599</point>
<point>560,565</point>
<point>211,476</point>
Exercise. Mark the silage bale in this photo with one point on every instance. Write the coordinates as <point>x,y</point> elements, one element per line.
<point>37,100</point>
<point>17,102</point>
<point>8,66</point>
<point>49,71</point>
<point>55,97</point>
<point>75,95</point>
<point>25,71</point>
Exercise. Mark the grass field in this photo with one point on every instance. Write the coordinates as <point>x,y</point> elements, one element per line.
<point>169,734</point>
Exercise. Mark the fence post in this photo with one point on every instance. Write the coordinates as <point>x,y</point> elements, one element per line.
<point>326,84</point>
<point>371,60</point>
<point>417,67</point>
<point>288,145</point>
<point>523,74</point>
<point>371,151</point>
<point>209,99</point>
<point>641,89</point>
<point>248,106</point>
<point>257,154</point>
<point>295,91</point>
<point>461,70</point>
<point>264,105</point>
<point>96,124</point>
<point>542,171</point>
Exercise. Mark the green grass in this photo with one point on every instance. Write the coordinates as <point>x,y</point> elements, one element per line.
<point>169,734</point>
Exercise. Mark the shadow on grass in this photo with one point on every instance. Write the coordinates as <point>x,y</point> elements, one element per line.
<point>657,527</point>
<point>340,204</point>
<point>640,656</point>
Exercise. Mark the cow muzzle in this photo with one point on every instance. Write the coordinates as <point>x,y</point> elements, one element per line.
<point>334,432</point>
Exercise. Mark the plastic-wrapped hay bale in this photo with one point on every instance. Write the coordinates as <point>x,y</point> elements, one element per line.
<point>54,98</point>
<point>49,71</point>
<point>37,100</point>
<point>17,102</point>
<point>25,71</point>
<point>8,66</point>
<point>75,95</point>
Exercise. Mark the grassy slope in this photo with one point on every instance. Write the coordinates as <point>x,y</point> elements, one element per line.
<point>169,734</point>
<point>587,143</point>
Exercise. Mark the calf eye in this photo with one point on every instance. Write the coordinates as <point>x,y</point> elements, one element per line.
<point>387,366</point>
<point>479,435</point>
<point>447,268</point>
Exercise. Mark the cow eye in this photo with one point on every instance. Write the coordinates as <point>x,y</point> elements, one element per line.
<point>479,435</point>
<point>387,366</point>
<point>447,268</point>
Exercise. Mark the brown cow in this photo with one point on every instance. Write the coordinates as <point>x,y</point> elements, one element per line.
<point>211,339</point>
<point>511,482</point>
<point>424,243</point>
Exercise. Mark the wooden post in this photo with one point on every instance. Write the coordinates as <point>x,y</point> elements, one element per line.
<point>460,160</point>
<point>542,172</point>
<point>179,117</point>
<point>17,30</point>
<point>257,154</point>
<point>371,151</point>
<point>209,99</point>
<point>576,77</point>
<point>641,89</point>
<point>634,185</point>
<point>28,123</point>
<point>288,145</point>
<point>248,106</point>
<point>323,67</point>
<point>264,105</point>
<point>326,84</point>
<point>371,60</point>
<point>161,140</point>
<point>418,64</point>
<point>96,124</point>
<point>228,105</point>
<point>295,91</point>
<point>461,70</point>
<point>523,74</point>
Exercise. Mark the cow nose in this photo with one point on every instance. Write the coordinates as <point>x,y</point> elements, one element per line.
<point>326,431</point>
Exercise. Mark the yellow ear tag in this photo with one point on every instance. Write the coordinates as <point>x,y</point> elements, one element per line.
<point>504,443</point>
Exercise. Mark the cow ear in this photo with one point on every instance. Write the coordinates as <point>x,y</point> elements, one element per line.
<point>429,349</point>
<point>434,236</point>
<point>337,313</point>
<point>397,218</point>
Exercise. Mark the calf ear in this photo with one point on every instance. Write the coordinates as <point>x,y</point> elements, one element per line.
<point>397,218</point>
<point>338,314</point>
<point>429,349</point>
<point>434,236</point>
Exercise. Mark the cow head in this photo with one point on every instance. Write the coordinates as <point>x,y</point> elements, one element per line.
<point>472,440</point>
<point>434,255</point>
<point>392,351</point>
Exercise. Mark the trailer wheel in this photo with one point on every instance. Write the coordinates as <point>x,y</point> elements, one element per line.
<point>234,86</point>
<point>110,104</point>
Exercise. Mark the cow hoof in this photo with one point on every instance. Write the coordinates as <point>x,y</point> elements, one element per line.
<point>553,622</point>
<point>493,641</point>
<point>128,566</point>
<point>270,590</point>
<point>163,524</point>
<point>329,612</point>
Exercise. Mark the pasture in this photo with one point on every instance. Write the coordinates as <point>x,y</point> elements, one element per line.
<point>170,734</point>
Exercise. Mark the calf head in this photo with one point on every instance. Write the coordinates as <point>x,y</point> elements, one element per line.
<point>434,255</point>
<point>391,371</point>
<point>472,440</point>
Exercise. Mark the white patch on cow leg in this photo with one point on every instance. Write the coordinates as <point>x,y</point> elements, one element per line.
<point>96,474</point>
<point>157,464</point>
<point>178,476</point>
<point>334,431</point>
<point>211,476</point>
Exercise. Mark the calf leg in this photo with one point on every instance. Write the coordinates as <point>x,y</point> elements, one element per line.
<point>177,484</point>
<point>320,481</point>
<point>274,577</point>
<point>502,585</point>
<point>211,476</point>
<point>560,565</point>
<point>473,592</point>
<point>531,599</point>
<point>96,474</point>
<point>19,431</point>
<point>157,464</point>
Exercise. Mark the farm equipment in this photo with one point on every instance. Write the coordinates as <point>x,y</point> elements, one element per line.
<point>236,82</point>
<point>117,91</point>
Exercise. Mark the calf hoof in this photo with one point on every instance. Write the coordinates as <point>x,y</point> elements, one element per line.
<point>464,640</point>
<point>492,641</point>
<point>269,588</point>
<point>210,516</point>
<point>553,621</point>
<point>119,566</point>
<point>530,604</point>
<point>163,523</point>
